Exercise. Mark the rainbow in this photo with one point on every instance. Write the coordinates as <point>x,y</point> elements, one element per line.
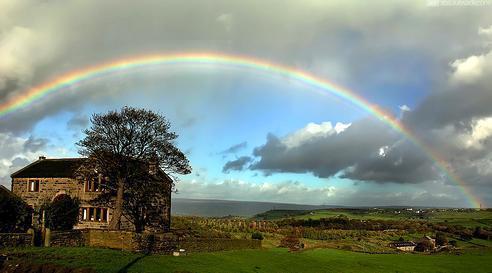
<point>66,80</point>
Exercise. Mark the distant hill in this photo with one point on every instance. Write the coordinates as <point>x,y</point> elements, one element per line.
<point>221,208</point>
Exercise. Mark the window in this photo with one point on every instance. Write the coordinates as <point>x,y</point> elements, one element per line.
<point>94,185</point>
<point>84,214</point>
<point>33,186</point>
<point>92,214</point>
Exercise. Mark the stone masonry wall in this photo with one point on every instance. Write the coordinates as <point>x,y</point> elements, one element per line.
<point>49,188</point>
<point>16,239</point>
<point>217,244</point>
<point>72,238</point>
<point>111,239</point>
<point>164,243</point>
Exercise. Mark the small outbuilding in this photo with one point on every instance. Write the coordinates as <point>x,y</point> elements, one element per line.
<point>404,246</point>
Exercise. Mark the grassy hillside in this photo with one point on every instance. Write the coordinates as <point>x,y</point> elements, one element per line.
<point>267,260</point>
<point>466,218</point>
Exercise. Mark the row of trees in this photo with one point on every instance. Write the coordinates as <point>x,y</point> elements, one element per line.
<point>344,223</point>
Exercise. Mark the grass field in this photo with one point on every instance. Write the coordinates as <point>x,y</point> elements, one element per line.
<point>266,260</point>
<point>467,218</point>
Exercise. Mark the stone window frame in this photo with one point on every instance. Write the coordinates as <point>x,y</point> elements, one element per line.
<point>90,185</point>
<point>90,214</point>
<point>33,185</point>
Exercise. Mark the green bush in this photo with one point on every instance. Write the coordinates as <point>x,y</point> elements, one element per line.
<point>291,242</point>
<point>62,213</point>
<point>423,245</point>
<point>257,235</point>
<point>15,214</point>
<point>441,239</point>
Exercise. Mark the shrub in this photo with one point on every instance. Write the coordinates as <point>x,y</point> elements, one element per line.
<point>423,245</point>
<point>62,213</point>
<point>441,239</point>
<point>15,214</point>
<point>291,242</point>
<point>257,236</point>
<point>453,243</point>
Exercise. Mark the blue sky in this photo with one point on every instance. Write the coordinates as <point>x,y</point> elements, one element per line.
<point>434,62</point>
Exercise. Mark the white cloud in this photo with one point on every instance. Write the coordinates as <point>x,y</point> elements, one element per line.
<point>383,151</point>
<point>227,20</point>
<point>485,31</point>
<point>473,138</point>
<point>468,69</point>
<point>313,130</point>
<point>22,51</point>
<point>302,193</point>
<point>404,108</point>
<point>480,131</point>
<point>474,67</point>
<point>15,152</point>
<point>288,191</point>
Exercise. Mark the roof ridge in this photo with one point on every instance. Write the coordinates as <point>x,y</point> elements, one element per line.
<point>28,166</point>
<point>62,158</point>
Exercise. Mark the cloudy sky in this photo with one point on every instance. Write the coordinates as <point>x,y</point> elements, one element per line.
<point>251,136</point>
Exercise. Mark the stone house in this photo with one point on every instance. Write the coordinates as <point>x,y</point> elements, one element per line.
<point>45,179</point>
<point>404,246</point>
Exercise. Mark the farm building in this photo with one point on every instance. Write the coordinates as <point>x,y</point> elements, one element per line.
<point>404,246</point>
<point>45,179</point>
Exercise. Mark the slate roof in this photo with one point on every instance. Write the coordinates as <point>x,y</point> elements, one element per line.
<point>59,168</point>
<point>4,189</point>
<point>50,168</point>
<point>401,244</point>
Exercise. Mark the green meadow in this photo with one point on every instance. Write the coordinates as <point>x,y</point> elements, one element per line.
<point>467,218</point>
<point>265,260</point>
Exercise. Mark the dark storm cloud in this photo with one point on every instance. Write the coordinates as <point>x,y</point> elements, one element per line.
<point>7,87</point>
<point>402,163</point>
<point>456,107</point>
<point>78,122</point>
<point>17,152</point>
<point>341,40</point>
<point>368,151</point>
<point>235,148</point>
<point>237,164</point>
<point>35,144</point>
<point>364,46</point>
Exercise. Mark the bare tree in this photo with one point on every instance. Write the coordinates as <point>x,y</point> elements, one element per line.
<point>119,146</point>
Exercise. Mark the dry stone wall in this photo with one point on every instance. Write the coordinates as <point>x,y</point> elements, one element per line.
<point>164,243</point>
<point>16,239</point>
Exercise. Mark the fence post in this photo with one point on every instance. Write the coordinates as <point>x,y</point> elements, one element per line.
<point>47,237</point>
<point>31,231</point>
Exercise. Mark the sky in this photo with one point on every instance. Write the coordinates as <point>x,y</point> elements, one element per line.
<point>256,136</point>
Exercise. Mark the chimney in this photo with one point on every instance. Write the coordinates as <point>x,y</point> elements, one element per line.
<point>153,165</point>
<point>42,157</point>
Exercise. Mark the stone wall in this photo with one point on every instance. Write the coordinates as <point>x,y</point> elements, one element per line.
<point>214,244</point>
<point>111,239</point>
<point>164,243</point>
<point>16,239</point>
<point>72,238</point>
